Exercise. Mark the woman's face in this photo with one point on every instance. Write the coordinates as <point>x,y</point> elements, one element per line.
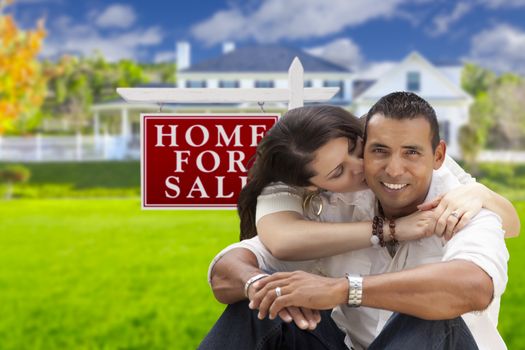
<point>339,166</point>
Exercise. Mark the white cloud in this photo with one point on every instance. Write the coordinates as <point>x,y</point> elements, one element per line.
<point>164,56</point>
<point>343,52</point>
<point>274,20</point>
<point>502,3</point>
<point>68,36</point>
<point>442,22</point>
<point>116,16</point>
<point>375,70</point>
<point>501,48</point>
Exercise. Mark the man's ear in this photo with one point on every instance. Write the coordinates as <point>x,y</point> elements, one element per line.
<point>439,154</point>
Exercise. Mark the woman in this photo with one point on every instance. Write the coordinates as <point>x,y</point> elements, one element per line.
<point>300,214</point>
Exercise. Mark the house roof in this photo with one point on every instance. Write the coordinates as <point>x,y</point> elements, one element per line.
<point>376,90</point>
<point>446,63</point>
<point>264,58</point>
<point>360,86</point>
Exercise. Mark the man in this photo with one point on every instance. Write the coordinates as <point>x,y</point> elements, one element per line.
<point>402,152</point>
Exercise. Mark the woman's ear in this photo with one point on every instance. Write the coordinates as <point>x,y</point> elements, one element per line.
<point>312,188</point>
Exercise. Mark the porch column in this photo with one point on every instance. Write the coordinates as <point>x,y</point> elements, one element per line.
<point>124,127</point>
<point>96,129</point>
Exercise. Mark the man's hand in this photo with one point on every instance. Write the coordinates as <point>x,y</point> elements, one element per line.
<point>300,289</point>
<point>304,318</point>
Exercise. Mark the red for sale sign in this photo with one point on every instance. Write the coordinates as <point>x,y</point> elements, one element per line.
<point>198,161</point>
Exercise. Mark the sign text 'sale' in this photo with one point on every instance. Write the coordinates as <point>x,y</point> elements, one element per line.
<point>198,161</point>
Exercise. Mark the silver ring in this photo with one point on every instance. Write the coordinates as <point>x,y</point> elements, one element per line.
<point>454,214</point>
<point>278,292</point>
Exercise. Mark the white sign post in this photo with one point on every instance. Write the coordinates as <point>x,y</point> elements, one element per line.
<point>295,94</point>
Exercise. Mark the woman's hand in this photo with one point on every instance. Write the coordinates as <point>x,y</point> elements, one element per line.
<point>299,289</point>
<point>455,209</point>
<point>417,225</point>
<point>304,318</point>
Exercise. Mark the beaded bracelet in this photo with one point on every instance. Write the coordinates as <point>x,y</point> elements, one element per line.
<point>377,230</point>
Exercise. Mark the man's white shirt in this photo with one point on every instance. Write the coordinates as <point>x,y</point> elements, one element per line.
<point>481,242</point>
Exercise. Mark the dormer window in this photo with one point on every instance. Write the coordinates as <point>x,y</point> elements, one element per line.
<point>413,81</point>
<point>229,84</point>
<point>264,84</point>
<point>196,83</point>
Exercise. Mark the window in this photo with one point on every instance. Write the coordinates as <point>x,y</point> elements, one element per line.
<point>264,84</point>
<point>444,130</point>
<point>229,84</point>
<point>307,83</point>
<point>336,83</point>
<point>413,81</point>
<point>196,83</point>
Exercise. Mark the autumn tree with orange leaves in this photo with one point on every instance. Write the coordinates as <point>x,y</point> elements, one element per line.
<point>22,82</point>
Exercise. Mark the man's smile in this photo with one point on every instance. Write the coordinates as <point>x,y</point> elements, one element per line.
<point>394,187</point>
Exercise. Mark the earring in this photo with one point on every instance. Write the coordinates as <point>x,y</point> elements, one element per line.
<point>313,203</point>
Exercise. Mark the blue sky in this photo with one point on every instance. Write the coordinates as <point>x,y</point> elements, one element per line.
<point>355,33</point>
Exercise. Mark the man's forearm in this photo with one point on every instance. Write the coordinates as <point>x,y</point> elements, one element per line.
<point>231,272</point>
<point>436,291</point>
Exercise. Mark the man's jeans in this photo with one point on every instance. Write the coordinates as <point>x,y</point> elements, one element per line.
<point>239,329</point>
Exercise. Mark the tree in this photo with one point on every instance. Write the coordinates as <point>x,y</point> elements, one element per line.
<point>508,98</point>
<point>497,116</point>
<point>476,80</point>
<point>470,143</point>
<point>22,82</point>
<point>78,82</point>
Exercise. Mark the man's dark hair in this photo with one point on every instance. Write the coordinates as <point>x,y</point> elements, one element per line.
<point>406,105</point>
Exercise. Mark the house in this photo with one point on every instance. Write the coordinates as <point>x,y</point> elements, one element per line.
<point>267,66</point>
<point>261,66</point>
<point>439,85</point>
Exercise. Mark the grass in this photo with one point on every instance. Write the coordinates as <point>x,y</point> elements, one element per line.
<point>101,274</point>
<point>512,316</point>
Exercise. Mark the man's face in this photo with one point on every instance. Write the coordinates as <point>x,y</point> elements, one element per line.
<point>399,161</point>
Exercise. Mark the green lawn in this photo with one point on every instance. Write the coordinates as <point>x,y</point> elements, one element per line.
<point>102,274</point>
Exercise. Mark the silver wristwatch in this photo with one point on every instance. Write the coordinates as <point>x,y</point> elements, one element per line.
<point>355,290</point>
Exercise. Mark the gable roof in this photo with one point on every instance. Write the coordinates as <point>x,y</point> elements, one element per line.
<point>375,91</point>
<point>360,86</point>
<point>264,58</point>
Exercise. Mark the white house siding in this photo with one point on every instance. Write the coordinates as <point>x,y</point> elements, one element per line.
<point>430,84</point>
<point>212,83</point>
<point>453,73</point>
<point>456,114</point>
<point>246,83</point>
<point>317,83</point>
<point>347,95</point>
<point>281,83</point>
